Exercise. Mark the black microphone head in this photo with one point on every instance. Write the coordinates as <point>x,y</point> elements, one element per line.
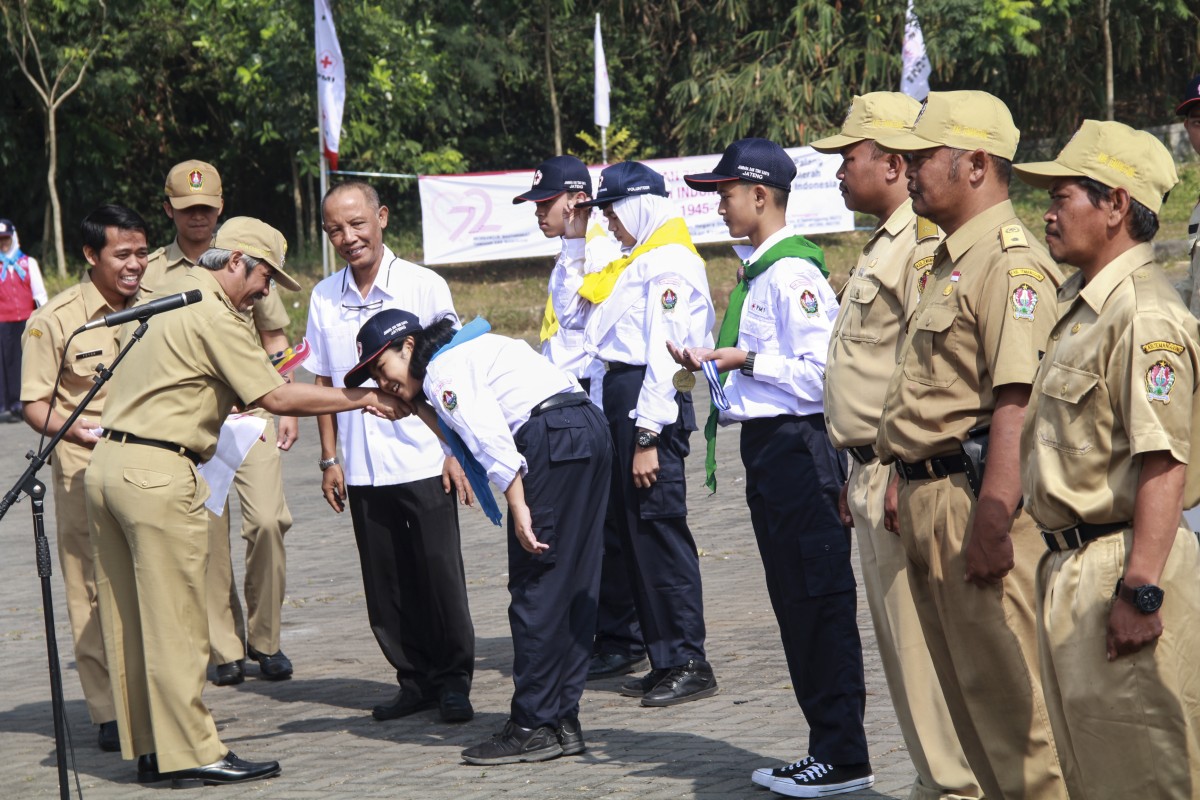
<point>193,296</point>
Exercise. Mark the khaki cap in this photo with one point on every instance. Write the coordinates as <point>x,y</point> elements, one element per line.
<point>1114,154</point>
<point>871,116</point>
<point>966,120</point>
<point>257,239</point>
<point>194,183</point>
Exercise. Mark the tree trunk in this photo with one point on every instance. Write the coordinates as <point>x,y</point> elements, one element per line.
<point>550,83</point>
<point>52,185</point>
<point>1109,110</point>
<point>297,204</point>
<point>313,235</point>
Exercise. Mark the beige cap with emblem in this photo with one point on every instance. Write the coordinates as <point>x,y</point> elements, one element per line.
<point>965,120</point>
<point>872,116</point>
<point>1114,154</point>
<point>193,183</point>
<point>257,239</point>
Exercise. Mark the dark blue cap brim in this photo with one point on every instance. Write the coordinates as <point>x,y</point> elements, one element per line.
<point>703,182</point>
<point>538,195</point>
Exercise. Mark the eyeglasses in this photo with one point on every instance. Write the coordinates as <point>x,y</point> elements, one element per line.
<point>374,305</point>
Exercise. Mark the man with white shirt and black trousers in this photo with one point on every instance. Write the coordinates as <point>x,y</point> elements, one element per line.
<point>398,484</point>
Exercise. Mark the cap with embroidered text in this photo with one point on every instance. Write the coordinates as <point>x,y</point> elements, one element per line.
<point>627,179</point>
<point>755,160</point>
<point>557,175</point>
<point>193,183</point>
<point>871,116</point>
<point>1113,154</point>
<point>965,120</point>
<point>376,335</point>
<point>259,240</point>
<point>1191,97</point>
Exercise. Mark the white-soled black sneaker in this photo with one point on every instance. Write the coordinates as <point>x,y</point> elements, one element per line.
<point>765,776</point>
<point>823,780</point>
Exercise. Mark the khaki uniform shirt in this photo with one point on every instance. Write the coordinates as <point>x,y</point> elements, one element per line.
<point>1119,379</point>
<point>880,296</point>
<point>983,320</point>
<point>1190,290</point>
<point>194,363</point>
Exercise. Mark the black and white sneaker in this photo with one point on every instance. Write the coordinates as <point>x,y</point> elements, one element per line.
<point>765,776</point>
<point>823,780</point>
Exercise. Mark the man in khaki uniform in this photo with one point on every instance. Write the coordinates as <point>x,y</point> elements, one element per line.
<point>1189,109</point>
<point>877,301</point>
<point>1108,468</point>
<point>115,249</point>
<point>146,501</point>
<point>968,363</point>
<point>194,202</point>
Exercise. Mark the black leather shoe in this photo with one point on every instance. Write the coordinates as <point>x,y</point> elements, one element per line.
<point>274,667</point>
<point>639,686</point>
<point>109,739</point>
<point>515,744</point>
<point>693,681</point>
<point>406,702</point>
<point>229,769</point>
<point>455,707</point>
<point>148,769</point>
<point>613,665</point>
<point>230,674</point>
<point>570,736</point>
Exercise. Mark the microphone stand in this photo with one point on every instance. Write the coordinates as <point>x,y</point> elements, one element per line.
<point>28,484</point>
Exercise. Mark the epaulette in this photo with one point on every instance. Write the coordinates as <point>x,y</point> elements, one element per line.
<point>1012,236</point>
<point>926,229</point>
<point>159,253</point>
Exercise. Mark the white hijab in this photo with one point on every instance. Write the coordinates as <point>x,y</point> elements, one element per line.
<point>643,214</point>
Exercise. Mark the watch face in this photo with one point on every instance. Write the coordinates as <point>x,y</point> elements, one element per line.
<point>645,439</point>
<point>1148,599</point>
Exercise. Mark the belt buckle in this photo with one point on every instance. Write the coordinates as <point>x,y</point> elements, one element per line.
<point>930,471</point>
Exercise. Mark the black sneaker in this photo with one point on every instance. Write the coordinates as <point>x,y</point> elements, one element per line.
<point>693,681</point>
<point>639,686</point>
<point>515,744</point>
<point>570,736</point>
<point>822,780</point>
<point>765,776</point>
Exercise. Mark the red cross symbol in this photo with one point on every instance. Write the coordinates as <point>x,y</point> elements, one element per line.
<point>326,61</point>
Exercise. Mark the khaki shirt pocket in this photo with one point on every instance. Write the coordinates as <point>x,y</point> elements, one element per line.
<point>1066,419</point>
<point>934,341</point>
<point>859,295</point>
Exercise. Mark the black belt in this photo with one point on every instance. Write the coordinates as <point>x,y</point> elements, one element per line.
<point>559,401</point>
<point>863,454</point>
<point>1074,538</point>
<point>932,468</point>
<point>617,366</point>
<point>121,436</point>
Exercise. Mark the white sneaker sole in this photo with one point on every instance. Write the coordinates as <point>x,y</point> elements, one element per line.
<point>788,787</point>
<point>763,777</point>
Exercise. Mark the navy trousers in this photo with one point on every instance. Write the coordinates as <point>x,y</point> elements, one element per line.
<point>793,478</point>
<point>554,593</point>
<point>660,553</point>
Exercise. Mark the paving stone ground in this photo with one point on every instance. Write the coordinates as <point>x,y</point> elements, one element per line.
<point>319,725</point>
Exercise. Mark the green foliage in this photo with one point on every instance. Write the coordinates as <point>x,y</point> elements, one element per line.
<point>622,146</point>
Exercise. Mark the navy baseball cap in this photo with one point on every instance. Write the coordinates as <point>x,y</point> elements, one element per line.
<point>1191,96</point>
<point>7,228</point>
<point>376,335</point>
<point>627,179</point>
<point>754,160</point>
<point>555,176</point>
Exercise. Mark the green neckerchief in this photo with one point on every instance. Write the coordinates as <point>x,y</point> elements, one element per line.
<point>791,247</point>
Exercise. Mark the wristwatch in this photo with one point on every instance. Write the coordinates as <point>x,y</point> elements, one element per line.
<point>326,463</point>
<point>647,439</point>
<point>1146,599</point>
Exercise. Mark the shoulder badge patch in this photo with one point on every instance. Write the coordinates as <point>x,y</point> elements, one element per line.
<point>669,299</point>
<point>449,400</point>
<point>35,333</point>
<point>1024,301</point>
<point>1160,378</point>
<point>926,229</point>
<point>1012,236</point>
<point>1032,273</point>
<point>1173,347</point>
<point>922,263</point>
<point>808,301</point>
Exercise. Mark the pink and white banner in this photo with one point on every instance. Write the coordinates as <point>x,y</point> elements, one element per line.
<point>468,218</point>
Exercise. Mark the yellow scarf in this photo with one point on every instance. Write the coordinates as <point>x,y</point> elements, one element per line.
<point>599,285</point>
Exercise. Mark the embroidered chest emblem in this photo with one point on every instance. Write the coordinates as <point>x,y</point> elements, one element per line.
<point>669,299</point>
<point>1159,380</point>
<point>1024,301</point>
<point>449,400</point>
<point>808,301</point>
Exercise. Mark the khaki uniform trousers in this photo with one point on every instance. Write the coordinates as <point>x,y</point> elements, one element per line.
<point>1130,727</point>
<point>79,577</point>
<point>265,520</point>
<point>983,641</point>
<point>942,769</point>
<point>150,534</point>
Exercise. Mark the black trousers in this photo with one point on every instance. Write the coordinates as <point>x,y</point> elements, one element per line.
<point>408,546</point>
<point>793,478</point>
<point>660,553</point>
<point>554,593</point>
<point>10,365</point>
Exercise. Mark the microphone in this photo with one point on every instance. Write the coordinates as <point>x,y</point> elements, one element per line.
<point>145,310</point>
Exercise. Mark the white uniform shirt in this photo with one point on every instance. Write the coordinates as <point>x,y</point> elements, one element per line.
<point>375,452</point>
<point>662,296</point>
<point>787,321</point>
<point>485,389</point>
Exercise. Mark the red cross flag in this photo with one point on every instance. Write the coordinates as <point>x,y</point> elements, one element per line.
<point>331,80</point>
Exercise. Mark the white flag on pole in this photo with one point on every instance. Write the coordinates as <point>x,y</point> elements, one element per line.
<point>601,110</point>
<point>331,80</point>
<point>914,75</point>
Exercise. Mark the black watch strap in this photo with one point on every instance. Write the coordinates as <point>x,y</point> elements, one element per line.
<point>1146,599</point>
